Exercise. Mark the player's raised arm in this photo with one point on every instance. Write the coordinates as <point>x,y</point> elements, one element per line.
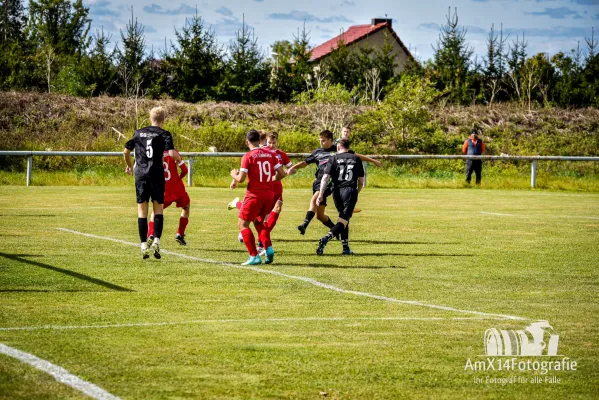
<point>368,159</point>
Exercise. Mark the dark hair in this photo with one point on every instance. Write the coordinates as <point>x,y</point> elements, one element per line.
<point>253,136</point>
<point>263,135</point>
<point>272,135</point>
<point>326,134</point>
<point>348,126</point>
<point>344,143</point>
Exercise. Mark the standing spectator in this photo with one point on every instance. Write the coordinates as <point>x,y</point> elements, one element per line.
<point>474,146</point>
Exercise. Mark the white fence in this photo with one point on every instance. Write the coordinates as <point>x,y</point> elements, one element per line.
<point>191,155</point>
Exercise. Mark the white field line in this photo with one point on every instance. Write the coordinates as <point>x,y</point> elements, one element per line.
<point>244,320</point>
<point>539,216</point>
<point>59,373</point>
<point>307,280</point>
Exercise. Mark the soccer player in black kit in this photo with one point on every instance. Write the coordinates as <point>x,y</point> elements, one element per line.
<point>346,172</point>
<point>149,144</point>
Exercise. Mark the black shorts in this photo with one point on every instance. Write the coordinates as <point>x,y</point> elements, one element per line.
<point>327,192</point>
<point>345,199</point>
<point>146,188</point>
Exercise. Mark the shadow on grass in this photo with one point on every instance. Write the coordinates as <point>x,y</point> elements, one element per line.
<point>275,240</point>
<point>44,291</point>
<point>321,265</point>
<point>19,258</point>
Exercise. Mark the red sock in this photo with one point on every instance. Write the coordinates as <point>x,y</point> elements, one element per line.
<point>264,237</point>
<point>182,225</point>
<point>150,228</point>
<point>238,204</point>
<point>272,221</point>
<point>249,241</point>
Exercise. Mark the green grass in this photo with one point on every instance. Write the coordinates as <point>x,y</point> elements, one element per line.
<point>243,334</point>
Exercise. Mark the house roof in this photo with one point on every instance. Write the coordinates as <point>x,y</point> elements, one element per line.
<point>352,35</point>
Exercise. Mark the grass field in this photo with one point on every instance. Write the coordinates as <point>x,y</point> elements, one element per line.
<point>196,325</point>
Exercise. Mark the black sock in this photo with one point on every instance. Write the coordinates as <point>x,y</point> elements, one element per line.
<point>142,227</point>
<point>329,224</point>
<point>337,229</point>
<point>309,216</point>
<point>158,224</point>
<point>345,238</point>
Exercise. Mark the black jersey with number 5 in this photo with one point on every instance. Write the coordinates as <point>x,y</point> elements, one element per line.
<point>149,144</point>
<point>345,169</point>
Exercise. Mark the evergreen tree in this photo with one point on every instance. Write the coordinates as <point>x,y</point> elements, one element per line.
<point>130,58</point>
<point>98,69</point>
<point>281,79</point>
<point>385,59</point>
<point>300,55</point>
<point>452,59</point>
<point>248,72</point>
<point>196,62</point>
<point>61,25</point>
<point>12,21</point>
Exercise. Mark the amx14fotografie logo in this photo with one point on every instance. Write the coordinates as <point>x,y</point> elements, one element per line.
<point>517,351</point>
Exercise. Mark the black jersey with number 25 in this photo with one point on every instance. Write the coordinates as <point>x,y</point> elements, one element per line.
<point>345,169</point>
<point>149,144</point>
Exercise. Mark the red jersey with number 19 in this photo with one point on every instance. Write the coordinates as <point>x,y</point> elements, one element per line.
<point>260,164</point>
<point>173,185</point>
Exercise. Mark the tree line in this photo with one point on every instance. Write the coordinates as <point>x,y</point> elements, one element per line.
<point>50,47</point>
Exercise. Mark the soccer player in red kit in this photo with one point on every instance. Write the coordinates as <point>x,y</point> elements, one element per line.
<point>174,192</point>
<point>261,166</point>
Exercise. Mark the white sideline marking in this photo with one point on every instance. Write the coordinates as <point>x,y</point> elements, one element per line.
<point>251,320</point>
<point>305,279</point>
<point>536,216</point>
<point>59,373</point>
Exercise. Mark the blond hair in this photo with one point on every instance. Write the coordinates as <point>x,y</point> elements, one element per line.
<point>157,115</point>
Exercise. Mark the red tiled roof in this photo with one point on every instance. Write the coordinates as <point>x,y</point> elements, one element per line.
<point>353,34</point>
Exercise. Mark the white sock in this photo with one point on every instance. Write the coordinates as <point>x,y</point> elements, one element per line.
<point>157,241</point>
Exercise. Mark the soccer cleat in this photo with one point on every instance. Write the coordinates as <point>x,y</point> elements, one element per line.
<point>180,239</point>
<point>357,210</point>
<point>302,229</point>
<point>240,237</point>
<point>145,251</point>
<point>233,204</point>
<point>347,252</point>
<point>321,245</point>
<point>150,240</point>
<point>253,260</point>
<point>269,256</point>
<point>156,249</point>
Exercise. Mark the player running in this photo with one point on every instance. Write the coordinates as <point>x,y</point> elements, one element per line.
<point>262,168</point>
<point>321,157</point>
<point>174,192</point>
<point>347,174</point>
<point>149,144</point>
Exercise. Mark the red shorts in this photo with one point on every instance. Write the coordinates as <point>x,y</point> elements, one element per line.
<point>181,202</point>
<point>254,207</point>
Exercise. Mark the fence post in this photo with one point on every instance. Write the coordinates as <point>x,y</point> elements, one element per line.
<point>365,165</point>
<point>533,174</point>
<point>190,173</point>
<point>29,169</point>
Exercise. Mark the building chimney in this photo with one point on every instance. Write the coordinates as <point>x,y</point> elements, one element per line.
<point>376,21</point>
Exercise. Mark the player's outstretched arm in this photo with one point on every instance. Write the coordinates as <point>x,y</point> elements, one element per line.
<point>128,161</point>
<point>297,166</point>
<point>368,159</point>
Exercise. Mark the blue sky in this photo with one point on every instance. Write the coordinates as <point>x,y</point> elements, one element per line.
<point>549,25</point>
